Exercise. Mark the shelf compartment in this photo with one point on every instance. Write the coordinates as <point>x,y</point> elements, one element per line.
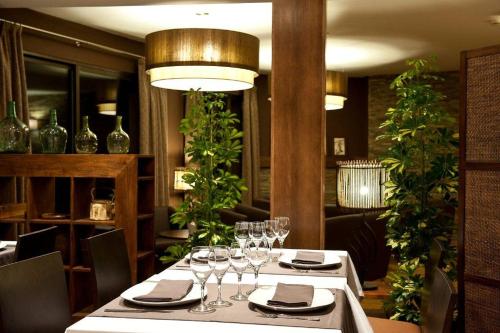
<point>48,195</point>
<point>14,219</point>
<point>146,166</point>
<point>143,217</point>
<point>12,209</point>
<point>8,192</point>
<point>88,221</point>
<point>50,221</point>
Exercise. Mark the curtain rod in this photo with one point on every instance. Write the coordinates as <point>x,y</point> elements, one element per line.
<point>77,41</point>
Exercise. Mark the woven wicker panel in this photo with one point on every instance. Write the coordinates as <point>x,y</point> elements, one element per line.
<point>483,108</point>
<point>482,308</point>
<point>482,227</point>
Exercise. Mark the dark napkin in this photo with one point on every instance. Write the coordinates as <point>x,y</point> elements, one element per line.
<point>292,295</point>
<point>308,257</point>
<point>167,291</point>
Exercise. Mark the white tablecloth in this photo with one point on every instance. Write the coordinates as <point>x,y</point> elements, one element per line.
<point>127,325</point>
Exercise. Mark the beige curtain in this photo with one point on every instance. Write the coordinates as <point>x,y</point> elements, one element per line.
<point>153,131</point>
<point>251,150</point>
<point>13,81</point>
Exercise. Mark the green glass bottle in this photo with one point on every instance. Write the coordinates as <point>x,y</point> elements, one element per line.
<point>53,137</point>
<point>118,141</point>
<point>14,134</point>
<point>85,140</point>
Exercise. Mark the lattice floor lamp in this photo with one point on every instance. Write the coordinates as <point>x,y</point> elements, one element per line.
<point>360,187</point>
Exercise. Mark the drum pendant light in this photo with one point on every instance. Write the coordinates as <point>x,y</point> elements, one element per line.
<point>204,59</point>
<point>336,90</point>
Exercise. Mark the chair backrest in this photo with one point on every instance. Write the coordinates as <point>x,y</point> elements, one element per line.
<point>35,243</point>
<point>110,264</point>
<point>439,313</point>
<point>33,296</point>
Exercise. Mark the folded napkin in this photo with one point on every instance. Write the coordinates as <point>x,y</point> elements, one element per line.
<point>309,257</point>
<point>167,291</point>
<point>292,295</point>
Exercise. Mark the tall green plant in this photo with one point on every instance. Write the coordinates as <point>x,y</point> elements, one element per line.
<point>421,193</point>
<point>214,144</point>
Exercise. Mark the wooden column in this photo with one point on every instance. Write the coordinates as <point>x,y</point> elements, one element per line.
<point>298,119</point>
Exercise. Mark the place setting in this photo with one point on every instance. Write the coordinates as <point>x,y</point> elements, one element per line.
<point>313,262</point>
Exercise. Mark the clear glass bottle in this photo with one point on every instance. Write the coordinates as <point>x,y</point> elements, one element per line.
<point>85,140</point>
<point>14,134</point>
<point>118,141</point>
<point>53,137</point>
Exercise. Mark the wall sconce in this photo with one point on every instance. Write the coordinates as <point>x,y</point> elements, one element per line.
<point>360,184</point>
<point>179,182</point>
<point>204,59</point>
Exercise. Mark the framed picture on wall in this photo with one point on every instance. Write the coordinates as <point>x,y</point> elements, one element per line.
<point>339,146</point>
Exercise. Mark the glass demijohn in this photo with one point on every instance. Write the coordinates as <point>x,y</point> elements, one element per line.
<point>14,134</point>
<point>118,141</point>
<point>53,137</point>
<point>85,140</point>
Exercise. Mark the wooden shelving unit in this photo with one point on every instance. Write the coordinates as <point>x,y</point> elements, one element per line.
<point>62,184</point>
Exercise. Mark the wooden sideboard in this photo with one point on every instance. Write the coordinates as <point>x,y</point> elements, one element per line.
<point>62,184</point>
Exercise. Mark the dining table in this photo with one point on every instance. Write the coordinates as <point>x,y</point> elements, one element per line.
<point>7,252</point>
<point>345,315</point>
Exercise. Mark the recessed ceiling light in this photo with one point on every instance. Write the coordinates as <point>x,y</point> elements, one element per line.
<point>202,14</point>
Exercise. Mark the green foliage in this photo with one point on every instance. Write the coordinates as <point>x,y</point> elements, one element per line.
<point>214,144</point>
<point>421,193</point>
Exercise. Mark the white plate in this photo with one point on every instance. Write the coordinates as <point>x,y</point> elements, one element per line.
<point>146,287</point>
<point>330,260</point>
<point>321,299</point>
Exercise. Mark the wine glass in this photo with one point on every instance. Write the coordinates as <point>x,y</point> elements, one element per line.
<point>241,231</point>
<point>271,227</point>
<point>256,232</point>
<point>257,256</point>
<point>201,268</point>
<point>283,229</point>
<point>219,258</point>
<point>239,262</point>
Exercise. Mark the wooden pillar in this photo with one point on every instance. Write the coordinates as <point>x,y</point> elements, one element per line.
<point>298,119</point>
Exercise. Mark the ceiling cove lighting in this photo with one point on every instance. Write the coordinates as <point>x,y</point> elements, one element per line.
<point>204,59</point>
<point>336,90</point>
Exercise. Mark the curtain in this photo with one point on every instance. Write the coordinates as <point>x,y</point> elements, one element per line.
<point>153,131</point>
<point>13,81</point>
<point>251,149</point>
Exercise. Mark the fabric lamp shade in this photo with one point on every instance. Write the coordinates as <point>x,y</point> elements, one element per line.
<point>204,59</point>
<point>360,184</point>
<point>336,90</point>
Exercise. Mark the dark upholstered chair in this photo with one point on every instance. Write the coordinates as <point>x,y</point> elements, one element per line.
<point>377,268</point>
<point>252,213</point>
<point>230,217</point>
<point>33,296</point>
<point>110,265</point>
<point>438,316</point>
<point>35,243</point>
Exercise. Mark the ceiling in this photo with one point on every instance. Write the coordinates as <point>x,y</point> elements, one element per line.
<point>364,37</point>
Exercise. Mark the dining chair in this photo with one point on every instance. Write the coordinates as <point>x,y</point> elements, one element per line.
<point>35,243</point>
<point>33,296</point>
<point>110,265</point>
<point>438,316</point>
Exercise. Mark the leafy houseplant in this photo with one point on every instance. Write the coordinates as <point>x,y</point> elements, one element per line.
<point>214,144</point>
<point>422,187</point>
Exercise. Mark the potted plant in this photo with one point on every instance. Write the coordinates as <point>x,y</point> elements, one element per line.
<point>422,162</point>
<point>213,146</point>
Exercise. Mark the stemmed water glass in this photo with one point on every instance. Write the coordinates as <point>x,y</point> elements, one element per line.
<point>257,232</point>
<point>219,258</point>
<point>271,227</point>
<point>239,262</point>
<point>257,256</point>
<point>283,229</point>
<point>241,232</point>
<point>201,268</point>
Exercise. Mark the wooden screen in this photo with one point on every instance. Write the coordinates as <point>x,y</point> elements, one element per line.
<point>479,235</point>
